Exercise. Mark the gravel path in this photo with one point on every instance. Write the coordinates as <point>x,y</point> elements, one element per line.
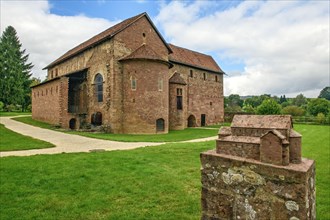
<point>69,143</point>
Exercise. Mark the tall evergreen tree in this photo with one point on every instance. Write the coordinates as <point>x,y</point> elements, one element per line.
<point>15,71</point>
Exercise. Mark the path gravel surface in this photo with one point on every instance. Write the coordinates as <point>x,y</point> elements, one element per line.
<point>69,143</point>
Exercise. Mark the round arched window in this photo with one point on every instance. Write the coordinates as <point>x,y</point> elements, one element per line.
<point>99,87</point>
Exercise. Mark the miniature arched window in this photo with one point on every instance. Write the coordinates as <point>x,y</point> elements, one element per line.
<point>99,87</point>
<point>160,125</point>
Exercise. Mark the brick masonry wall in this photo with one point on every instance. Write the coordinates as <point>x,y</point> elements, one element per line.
<point>46,102</point>
<point>148,102</point>
<point>247,150</point>
<point>240,188</point>
<point>177,117</point>
<point>138,117</point>
<point>203,96</point>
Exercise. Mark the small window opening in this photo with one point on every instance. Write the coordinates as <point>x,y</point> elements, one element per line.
<point>216,78</point>
<point>160,85</point>
<point>191,74</point>
<point>133,83</point>
<point>179,99</point>
<point>179,91</point>
<point>204,76</point>
<point>144,35</point>
<point>211,103</point>
<point>56,72</point>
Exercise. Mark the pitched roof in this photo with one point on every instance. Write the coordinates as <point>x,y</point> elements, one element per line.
<point>144,52</point>
<point>107,34</point>
<point>177,79</point>
<point>262,121</point>
<point>193,59</point>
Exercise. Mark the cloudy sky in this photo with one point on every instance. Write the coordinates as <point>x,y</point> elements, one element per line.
<point>265,47</point>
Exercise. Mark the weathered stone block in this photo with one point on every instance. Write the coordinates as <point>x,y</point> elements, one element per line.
<point>239,188</point>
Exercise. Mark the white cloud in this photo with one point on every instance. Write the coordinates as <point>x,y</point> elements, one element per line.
<point>47,36</point>
<point>284,45</point>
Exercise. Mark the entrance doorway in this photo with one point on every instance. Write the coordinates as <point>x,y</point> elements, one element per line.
<point>72,123</point>
<point>203,120</point>
<point>160,125</point>
<point>191,121</point>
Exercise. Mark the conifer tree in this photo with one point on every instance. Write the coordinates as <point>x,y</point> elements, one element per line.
<point>15,71</point>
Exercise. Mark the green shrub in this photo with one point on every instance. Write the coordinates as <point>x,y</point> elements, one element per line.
<point>293,110</point>
<point>320,118</point>
<point>318,105</point>
<point>10,108</point>
<point>269,107</point>
<point>1,106</point>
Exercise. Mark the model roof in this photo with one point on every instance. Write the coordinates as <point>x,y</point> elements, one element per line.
<point>262,121</point>
<point>194,59</point>
<point>107,34</point>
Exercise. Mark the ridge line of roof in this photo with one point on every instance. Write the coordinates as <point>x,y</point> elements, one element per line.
<point>135,18</point>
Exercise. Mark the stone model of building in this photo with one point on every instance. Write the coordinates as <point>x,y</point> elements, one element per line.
<point>129,80</point>
<point>256,172</point>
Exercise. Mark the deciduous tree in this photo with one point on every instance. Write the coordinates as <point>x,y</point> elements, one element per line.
<point>269,107</point>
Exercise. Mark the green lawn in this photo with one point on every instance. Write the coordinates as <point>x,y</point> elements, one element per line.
<point>172,136</point>
<point>161,182</point>
<point>5,114</point>
<point>10,141</point>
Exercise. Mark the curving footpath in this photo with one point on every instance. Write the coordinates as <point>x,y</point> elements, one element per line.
<point>69,143</point>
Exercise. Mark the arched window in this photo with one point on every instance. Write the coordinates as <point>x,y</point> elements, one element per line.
<point>99,87</point>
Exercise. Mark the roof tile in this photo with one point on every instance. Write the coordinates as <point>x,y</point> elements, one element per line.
<point>193,58</point>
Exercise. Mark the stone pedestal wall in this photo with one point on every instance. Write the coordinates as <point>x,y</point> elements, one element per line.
<point>239,188</point>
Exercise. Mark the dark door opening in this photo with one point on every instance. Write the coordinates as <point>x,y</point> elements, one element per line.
<point>72,123</point>
<point>96,119</point>
<point>191,121</point>
<point>160,125</point>
<point>203,120</point>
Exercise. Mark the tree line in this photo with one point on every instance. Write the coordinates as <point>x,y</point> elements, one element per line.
<point>297,106</point>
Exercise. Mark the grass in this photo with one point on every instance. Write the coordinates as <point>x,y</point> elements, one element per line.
<point>160,182</point>
<point>316,145</point>
<point>6,114</point>
<point>10,141</point>
<point>172,136</point>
